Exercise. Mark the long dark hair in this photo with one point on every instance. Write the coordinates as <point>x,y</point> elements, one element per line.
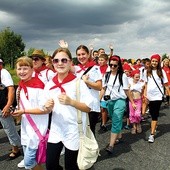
<point>120,68</point>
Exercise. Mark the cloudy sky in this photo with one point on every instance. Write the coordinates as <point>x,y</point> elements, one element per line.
<point>136,28</point>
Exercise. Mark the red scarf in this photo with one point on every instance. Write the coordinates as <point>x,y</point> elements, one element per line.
<point>87,65</point>
<point>67,79</point>
<point>34,82</point>
<point>38,71</point>
<point>103,69</point>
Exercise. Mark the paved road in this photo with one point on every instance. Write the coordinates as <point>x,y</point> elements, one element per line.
<point>134,153</point>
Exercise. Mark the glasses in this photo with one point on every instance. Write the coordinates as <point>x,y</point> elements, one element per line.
<point>113,65</point>
<point>35,58</point>
<point>63,60</point>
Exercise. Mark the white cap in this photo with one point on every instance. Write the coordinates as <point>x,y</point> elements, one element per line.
<point>1,61</point>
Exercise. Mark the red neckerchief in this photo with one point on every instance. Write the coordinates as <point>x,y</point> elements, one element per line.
<point>34,82</point>
<point>103,68</point>
<point>38,71</point>
<point>87,65</point>
<point>67,79</point>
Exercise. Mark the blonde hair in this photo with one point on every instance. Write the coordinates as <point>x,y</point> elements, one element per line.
<point>24,61</point>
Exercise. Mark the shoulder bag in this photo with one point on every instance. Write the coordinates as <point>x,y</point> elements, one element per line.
<point>88,146</point>
<point>42,146</point>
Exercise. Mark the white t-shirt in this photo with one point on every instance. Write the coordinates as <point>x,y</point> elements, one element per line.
<point>36,100</point>
<point>136,86</point>
<point>6,78</point>
<point>153,92</point>
<point>45,75</point>
<point>64,126</point>
<point>116,91</point>
<point>94,75</point>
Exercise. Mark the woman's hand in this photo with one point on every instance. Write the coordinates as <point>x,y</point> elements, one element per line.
<point>17,113</point>
<point>134,106</point>
<point>49,104</point>
<point>63,44</point>
<point>64,99</point>
<point>85,78</point>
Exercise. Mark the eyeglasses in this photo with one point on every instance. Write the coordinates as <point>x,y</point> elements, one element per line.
<point>113,65</point>
<point>35,58</point>
<point>63,60</point>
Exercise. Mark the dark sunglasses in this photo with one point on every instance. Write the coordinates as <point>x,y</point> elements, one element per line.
<point>35,58</point>
<point>63,60</point>
<point>113,65</point>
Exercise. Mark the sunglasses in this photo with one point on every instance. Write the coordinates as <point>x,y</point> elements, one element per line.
<point>113,65</point>
<point>35,58</point>
<point>63,60</point>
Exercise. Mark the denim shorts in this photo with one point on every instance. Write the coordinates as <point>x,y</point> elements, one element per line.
<point>29,157</point>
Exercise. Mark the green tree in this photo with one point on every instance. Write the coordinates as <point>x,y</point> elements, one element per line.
<point>11,46</point>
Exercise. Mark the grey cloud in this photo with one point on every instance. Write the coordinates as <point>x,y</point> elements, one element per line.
<point>43,23</point>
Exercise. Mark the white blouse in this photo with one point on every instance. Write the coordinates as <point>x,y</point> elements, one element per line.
<point>116,91</point>
<point>94,75</point>
<point>64,126</point>
<point>153,92</point>
<point>36,100</point>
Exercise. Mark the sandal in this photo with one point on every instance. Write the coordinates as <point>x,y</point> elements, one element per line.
<point>14,155</point>
<point>133,131</point>
<point>139,129</point>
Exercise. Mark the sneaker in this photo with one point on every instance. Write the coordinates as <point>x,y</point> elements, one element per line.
<point>21,164</point>
<point>109,149</point>
<point>151,139</point>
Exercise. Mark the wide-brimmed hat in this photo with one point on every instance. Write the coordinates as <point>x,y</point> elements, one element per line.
<point>38,53</point>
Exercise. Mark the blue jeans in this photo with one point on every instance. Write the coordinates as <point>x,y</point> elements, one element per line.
<point>29,157</point>
<point>10,130</point>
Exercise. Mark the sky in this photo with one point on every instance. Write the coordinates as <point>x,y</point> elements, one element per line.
<point>135,28</point>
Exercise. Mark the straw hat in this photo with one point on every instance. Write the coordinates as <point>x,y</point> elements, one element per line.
<point>38,53</point>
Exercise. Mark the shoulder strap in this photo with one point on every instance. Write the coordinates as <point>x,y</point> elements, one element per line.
<point>157,84</point>
<point>32,123</point>
<point>88,69</point>
<point>107,76</point>
<point>79,113</point>
<point>114,82</point>
<point>47,74</point>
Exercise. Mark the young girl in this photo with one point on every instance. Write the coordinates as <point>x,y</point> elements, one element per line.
<point>102,61</point>
<point>136,89</point>
<point>30,92</point>
<point>166,68</point>
<point>155,79</point>
<point>92,76</point>
<point>64,126</point>
<point>118,90</point>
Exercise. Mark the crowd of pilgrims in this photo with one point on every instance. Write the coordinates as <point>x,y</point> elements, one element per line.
<point>111,88</point>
